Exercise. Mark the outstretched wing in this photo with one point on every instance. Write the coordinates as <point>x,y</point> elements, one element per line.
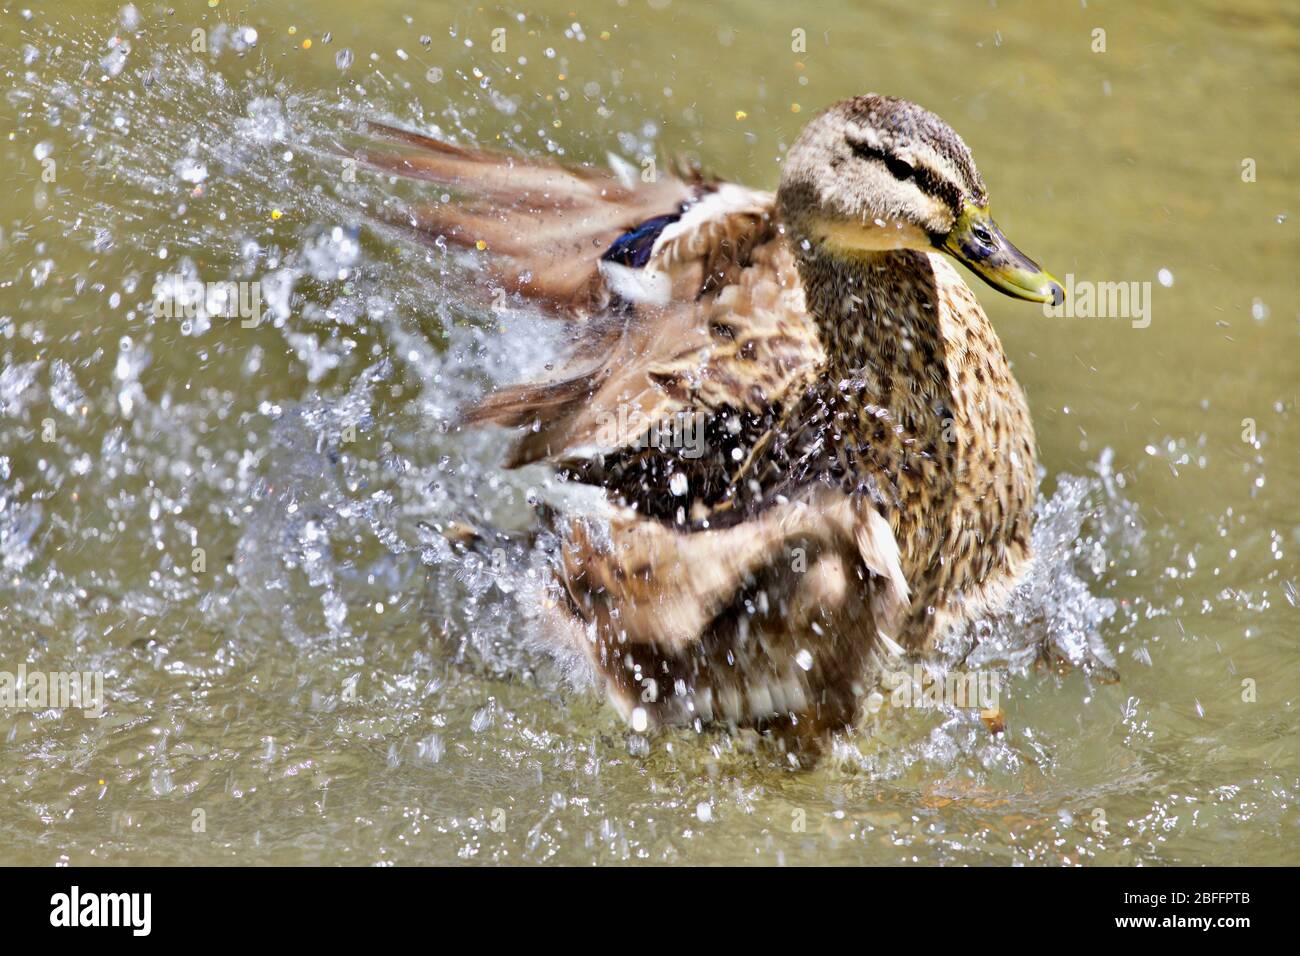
<point>541,226</point>
<point>693,325</point>
<point>703,345</point>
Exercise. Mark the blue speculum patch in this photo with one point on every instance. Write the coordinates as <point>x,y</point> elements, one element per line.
<point>633,248</point>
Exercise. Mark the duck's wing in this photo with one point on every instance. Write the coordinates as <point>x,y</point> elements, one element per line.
<point>783,614</point>
<point>691,334</point>
<point>542,227</point>
<point>702,345</point>
<point>668,583</point>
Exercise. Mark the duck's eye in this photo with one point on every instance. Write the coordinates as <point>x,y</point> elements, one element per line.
<point>983,235</point>
<point>900,168</point>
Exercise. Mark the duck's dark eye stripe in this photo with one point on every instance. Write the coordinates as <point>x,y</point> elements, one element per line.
<point>896,166</point>
<point>925,179</point>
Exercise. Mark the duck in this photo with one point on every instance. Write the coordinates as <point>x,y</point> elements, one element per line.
<point>814,457</point>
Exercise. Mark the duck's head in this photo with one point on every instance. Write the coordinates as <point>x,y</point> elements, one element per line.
<point>876,173</point>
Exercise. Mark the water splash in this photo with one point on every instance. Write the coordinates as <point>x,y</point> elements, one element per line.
<point>334,499</point>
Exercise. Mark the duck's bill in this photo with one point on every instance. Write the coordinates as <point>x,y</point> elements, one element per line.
<point>977,241</point>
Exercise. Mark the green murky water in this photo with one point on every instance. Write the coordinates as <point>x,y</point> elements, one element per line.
<point>295,673</point>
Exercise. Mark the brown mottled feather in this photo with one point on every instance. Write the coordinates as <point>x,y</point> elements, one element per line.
<point>661,636</point>
<point>716,347</point>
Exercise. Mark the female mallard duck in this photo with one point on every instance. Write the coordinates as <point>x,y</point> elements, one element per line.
<point>812,443</point>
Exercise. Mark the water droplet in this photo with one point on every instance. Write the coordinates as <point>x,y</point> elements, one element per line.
<point>190,170</point>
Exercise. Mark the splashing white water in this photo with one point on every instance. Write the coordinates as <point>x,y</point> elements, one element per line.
<point>321,506</point>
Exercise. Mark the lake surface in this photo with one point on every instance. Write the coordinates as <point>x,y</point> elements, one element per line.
<point>231,525</point>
